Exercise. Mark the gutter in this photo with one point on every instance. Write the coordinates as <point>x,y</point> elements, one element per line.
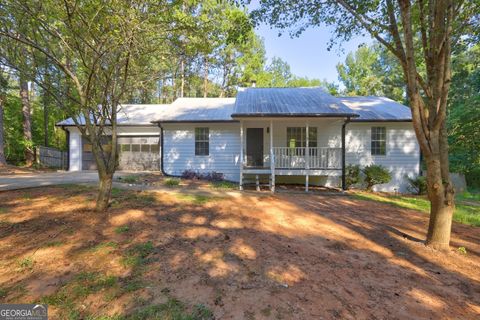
<point>344,183</point>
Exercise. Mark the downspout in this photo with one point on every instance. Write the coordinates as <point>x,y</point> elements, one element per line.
<point>344,183</point>
<point>161,151</point>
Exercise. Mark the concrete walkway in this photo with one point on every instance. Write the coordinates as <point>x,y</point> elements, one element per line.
<point>33,180</point>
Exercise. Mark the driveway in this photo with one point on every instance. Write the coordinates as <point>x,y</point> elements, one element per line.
<point>32,180</point>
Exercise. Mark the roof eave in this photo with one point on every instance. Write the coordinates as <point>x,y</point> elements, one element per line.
<point>381,120</point>
<point>295,115</point>
<point>193,121</point>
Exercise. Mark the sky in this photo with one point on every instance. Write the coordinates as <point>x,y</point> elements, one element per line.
<point>307,55</point>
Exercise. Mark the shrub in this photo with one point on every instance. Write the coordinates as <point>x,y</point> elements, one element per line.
<point>171,182</point>
<point>195,175</point>
<point>376,174</point>
<point>352,175</point>
<point>417,185</point>
<point>189,174</point>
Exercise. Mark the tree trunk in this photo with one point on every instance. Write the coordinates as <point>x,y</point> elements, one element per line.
<point>182,75</point>
<point>45,119</point>
<point>3,161</point>
<point>104,191</point>
<point>205,79</point>
<point>441,194</point>
<point>27,122</point>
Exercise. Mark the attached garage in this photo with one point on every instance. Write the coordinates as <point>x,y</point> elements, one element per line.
<point>135,153</point>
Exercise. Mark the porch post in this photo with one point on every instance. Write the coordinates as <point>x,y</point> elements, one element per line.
<point>272,159</point>
<point>241,155</point>
<point>307,155</point>
<point>344,183</point>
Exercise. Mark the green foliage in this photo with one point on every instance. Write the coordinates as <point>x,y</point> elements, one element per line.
<point>352,175</point>
<point>372,71</point>
<point>417,185</point>
<point>376,174</point>
<point>464,118</point>
<point>462,250</point>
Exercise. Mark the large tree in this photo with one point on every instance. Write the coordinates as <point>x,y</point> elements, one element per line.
<point>98,46</point>
<point>3,99</point>
<point>420,34</point>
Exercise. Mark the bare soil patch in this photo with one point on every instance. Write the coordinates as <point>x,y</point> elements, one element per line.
<point>240,255</point>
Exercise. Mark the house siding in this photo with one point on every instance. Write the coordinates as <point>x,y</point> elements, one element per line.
<point>75,150</point>
<point>403,153</point>
<point>224,155</point>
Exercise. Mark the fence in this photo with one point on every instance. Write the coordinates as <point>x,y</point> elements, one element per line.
<point>51,157</point>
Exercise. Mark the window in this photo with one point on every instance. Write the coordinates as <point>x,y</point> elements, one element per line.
<point>154,148</point>
<point>145,148</point>
<point>135,148</point>
<point>125,147</point>
<point>296,137</point>
<point>202,144</point>
<point>379,141</point>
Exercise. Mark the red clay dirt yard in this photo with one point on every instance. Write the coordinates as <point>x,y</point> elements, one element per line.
<point>222,254</point>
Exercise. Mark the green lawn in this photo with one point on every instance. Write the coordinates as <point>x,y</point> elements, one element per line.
<point>467,204</point>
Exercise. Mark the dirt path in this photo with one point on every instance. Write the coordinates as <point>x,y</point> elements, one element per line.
<point>244,256</point>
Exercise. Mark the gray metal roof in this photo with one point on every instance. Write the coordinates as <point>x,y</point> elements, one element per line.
<point>377,109</point>
<point>303,102</point>
<point>130,114</point>
<point>263,102</point>
<point>197,110</point>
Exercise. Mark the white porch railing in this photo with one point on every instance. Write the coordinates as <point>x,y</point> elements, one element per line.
<point>311,158</point>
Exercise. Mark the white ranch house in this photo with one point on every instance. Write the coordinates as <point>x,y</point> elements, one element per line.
<point>275,135</point>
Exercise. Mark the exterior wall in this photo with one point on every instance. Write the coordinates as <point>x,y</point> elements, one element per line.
<point>75,150</point>
<point>179,147</point>
<point>75,142</point>
<point>224,155</point>
<point>403,152</point>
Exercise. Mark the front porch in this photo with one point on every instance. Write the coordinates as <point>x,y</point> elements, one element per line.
<point>288,147</point>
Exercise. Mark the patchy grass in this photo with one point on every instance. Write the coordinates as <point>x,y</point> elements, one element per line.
<point>3,292</point>
<point>26,264</point>
<point>194,198</point>
<point>137,255</point>
<point>3,210</point>
<point>54,243</point>
<point>464,213</point>
<point>68,298</point>
<point>173,309</point>
<point>129,179</point>
<point>122,229</point>
<point>226,185</point>
<point>171,182</point>
<point>184,249</point>
<point>105,245</point>
<point>133,199</point>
